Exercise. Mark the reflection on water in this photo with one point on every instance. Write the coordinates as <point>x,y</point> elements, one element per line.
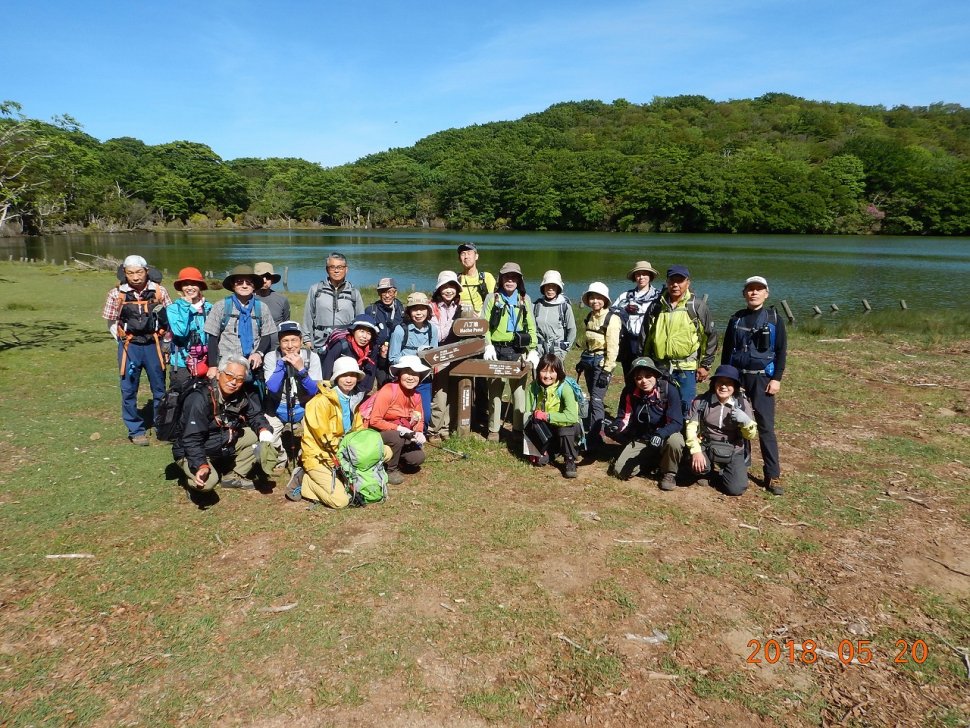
<point>804,270</point>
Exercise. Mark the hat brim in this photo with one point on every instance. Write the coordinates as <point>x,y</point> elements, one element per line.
<point>201,284</point>
<point>253,278</point>
<point>275,278</point>
<point>632,275</point>
<point>586,296</point>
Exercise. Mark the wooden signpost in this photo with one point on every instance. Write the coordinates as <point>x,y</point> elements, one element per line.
<point>465,327</point>
<point>452,352</point>
<point>466,370</point>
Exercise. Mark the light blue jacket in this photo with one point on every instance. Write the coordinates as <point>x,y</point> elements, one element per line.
<point>183,321</point>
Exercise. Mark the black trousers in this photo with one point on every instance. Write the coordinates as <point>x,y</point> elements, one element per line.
<point>764,415</point>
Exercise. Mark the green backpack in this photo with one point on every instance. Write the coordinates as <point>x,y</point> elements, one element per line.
<point>361,456</point>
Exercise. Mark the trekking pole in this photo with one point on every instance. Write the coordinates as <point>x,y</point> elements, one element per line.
<point>288,392</point>
<point>457,453</point>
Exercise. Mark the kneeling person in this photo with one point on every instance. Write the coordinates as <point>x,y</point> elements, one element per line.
<point>399,416</point>
<point>552,400</point>
<point>221,424</point>
<point>649,421</point>
<point>720,421</point>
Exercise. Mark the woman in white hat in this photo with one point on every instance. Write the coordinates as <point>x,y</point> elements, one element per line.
<point>329,416</point>
<point>445,305</point>
<point>412,335</point>
<point>398,414</point>
<point>555,320</point>
<point>632,307</point>
<point>600,349</point>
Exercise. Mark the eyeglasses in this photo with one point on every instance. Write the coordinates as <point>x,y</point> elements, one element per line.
<point>229,377</point>
<point>336,267</point>
<point>243,282</point>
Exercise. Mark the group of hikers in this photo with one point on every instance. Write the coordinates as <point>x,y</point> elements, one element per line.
<point>345,401</point>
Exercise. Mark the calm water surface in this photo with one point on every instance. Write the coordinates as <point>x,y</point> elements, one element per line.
<point>804,270</point>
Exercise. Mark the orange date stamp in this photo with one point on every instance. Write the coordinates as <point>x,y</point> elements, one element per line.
<point>847,652</point>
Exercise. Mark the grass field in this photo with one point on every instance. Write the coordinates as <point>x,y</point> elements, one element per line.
<point>486,592</point>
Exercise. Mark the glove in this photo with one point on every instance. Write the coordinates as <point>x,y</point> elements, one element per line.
<point>419,438</point>
<point>603,378</point>
<point>404,431</point>
<point>540,416</point>
<point>741,417</point>
<point>581,366</point>
<point>656,442</point>
<point>613,427</point>
<point>265,436</point>
<point>532,358</point>
<point>490,354</point>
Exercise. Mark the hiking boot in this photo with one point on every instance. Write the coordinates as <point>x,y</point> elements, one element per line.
<point>395,477</point>
<point>773,485</point>
<point>539,460</point>
<point>492,437</point>
<point>238,482</point>
<point>293,487</point>
<point>569,471</point>
<point>704,482</point>
<point>140,440</point>
<point>435,437</point>
<point>668,482</point>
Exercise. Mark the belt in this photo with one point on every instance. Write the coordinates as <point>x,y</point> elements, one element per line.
<point>753,371</point>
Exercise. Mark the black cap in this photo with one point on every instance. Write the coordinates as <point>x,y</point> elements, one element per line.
<point>467,246</point>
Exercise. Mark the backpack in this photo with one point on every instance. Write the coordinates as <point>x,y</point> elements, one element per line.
<point>168,419</point>
<point>361,457</point>
<point>563,309</point>
<point>606,322</point>
<point>334,337</point>
<point>367,406</point>
<point>229,311</point>
<point>702,409</point>
<point>754,349</point>
<point>581,401</point>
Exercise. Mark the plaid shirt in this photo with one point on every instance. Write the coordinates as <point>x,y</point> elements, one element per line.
<point>112,305</point>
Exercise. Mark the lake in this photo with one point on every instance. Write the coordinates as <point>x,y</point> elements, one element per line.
<point>804,270</point>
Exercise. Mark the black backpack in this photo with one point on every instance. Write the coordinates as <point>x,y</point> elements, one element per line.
<point>168,419</point>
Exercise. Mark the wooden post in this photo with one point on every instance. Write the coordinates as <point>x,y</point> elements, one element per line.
<point>463,397</point>
<point>865,306</point>
<point>902,304</point>
<point>788,313</point>
<point>835,309</point>
<point>817,310</point>
<point>286,277</point>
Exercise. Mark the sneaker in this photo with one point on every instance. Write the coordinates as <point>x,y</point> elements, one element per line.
<point>394,477</point>
<point>539,460</point>
<point>569,471</point>
<point>435,437</point>
<point>703,482</point>
<point>140,440</point>
<point>668,482</point>
<point>293,487</point>
<point>238,482</point>
<point>492,437</point>
<point>773,485</point>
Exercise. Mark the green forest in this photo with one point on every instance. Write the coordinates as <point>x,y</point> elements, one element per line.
<point>774,164</point>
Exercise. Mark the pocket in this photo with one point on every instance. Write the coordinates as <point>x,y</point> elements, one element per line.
<point>721,452</point>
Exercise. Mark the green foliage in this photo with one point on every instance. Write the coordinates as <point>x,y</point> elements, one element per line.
<point>775,164</point>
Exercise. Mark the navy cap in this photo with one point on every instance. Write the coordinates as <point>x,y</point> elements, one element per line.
<point>467,246</point>
<point>728,372</point>
<point>289,327</point>
<point>678,270</point>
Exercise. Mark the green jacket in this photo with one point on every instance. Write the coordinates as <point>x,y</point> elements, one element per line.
<point>682,335</point>
<point>556,399</point>
<point>498,334</point>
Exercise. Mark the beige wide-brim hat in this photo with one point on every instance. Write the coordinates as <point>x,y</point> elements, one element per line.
<point>551,278</point>
<point>447,278</point>
<point>418,299</point>
<point>346,365</point>
<point>645,266</point>
<point>597,289</point>
<point>411,363</point>
<point>241,271</point>
<point>261,269</point>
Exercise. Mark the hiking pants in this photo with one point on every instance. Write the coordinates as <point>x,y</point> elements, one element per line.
<point>320,483</point>
<point>597,404</point>
<point>564,441</point>
<point>140,356</point>
<point>516,401</point>
<point>639,457</point>
<point>734,474</point>
<point>239,465</point>
<point>687,384</point>
<point>764,414</point>
<point>440,408</point>
<point>424,389</point>
<point>401,451</point>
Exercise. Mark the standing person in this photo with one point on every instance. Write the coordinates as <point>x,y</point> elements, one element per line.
<point>680,334</point>
<point>359,345</point>
<point>220,427</point>
<point>555,320</point>
<point>414,334</point>
<point>131,310</point>
<point>330,304</point>
<point>553,401</point>
<point>475,284</point>
<point>649,421</point>
<point>186,322</point>
<point>329,416</point>
<point>756,343</point>
<point>292,376</point>
<point>399,416</point>
<point>387,312</point>
<point>598,360</point>
<point>239,325</point>
<point>511,336</point>
<point>445,308</point>
<point>632,307</point>
<point>719,422</point>
<point>277,303</point>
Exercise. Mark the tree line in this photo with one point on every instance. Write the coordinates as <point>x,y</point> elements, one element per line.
<point>774,164</point>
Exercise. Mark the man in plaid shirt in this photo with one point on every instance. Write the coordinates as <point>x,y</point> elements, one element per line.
<point>131,312</point>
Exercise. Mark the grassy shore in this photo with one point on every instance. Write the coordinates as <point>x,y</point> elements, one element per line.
<point>485,591</point>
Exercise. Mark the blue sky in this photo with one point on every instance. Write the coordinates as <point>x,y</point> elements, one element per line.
<point>333,81</point>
